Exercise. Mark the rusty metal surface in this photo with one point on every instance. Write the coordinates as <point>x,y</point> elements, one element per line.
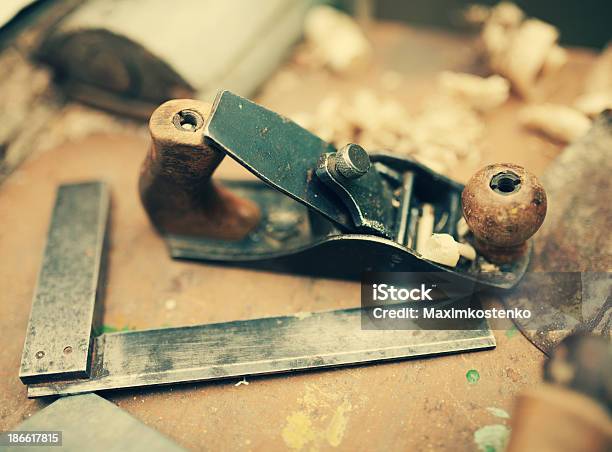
<point>504,205</point>
<point>63,316</point>
<point>574,238</point>
<point>576,235</point>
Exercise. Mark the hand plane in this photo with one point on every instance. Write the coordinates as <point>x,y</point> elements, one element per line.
<point>320,210</point>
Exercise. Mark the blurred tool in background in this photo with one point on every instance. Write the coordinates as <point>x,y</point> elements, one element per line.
<point>570,411</point>
<point>130,56</point>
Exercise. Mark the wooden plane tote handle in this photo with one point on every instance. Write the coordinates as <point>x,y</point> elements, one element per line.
<point>175,183</point>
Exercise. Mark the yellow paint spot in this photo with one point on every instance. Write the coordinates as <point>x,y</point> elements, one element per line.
<point>335,429</point>
<point>321,420</point>
<point>298,432</point>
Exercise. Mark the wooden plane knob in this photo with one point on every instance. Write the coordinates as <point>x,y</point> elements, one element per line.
<point>504,205</point>
<point>175,182</point>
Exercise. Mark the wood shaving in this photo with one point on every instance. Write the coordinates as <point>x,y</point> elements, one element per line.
<point>462,228</point>
<point>242,382</point>
<point>444,133</point>
<point>526,53</point>
<point>476,14</point>
<point>506,14</point>
<point>559,122</point>
<point>488,267</point>
<point>443,249</point>
<point>441,222</point>
<point>425,228</point>
<point>336,39</point>
<point>555,60</point>
<point>449,128</point>
<point>521,50</point>
<point>495,40</point>
<point>480,93</point>
<point>600,76</point>
<point>466,250</point>
<point>592,104</point>
<point>597,95</point>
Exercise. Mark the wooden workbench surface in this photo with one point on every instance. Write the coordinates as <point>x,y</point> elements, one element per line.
<point>410,405</point>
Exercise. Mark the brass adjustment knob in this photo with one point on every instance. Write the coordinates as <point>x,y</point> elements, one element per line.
<point>504,205</point>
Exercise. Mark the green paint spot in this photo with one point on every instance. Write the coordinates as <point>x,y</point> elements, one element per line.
<point>472,376</point>
<point>492,438</point>
<point>511,331</point>
<point>498,412</point>
<point>109,329</point>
